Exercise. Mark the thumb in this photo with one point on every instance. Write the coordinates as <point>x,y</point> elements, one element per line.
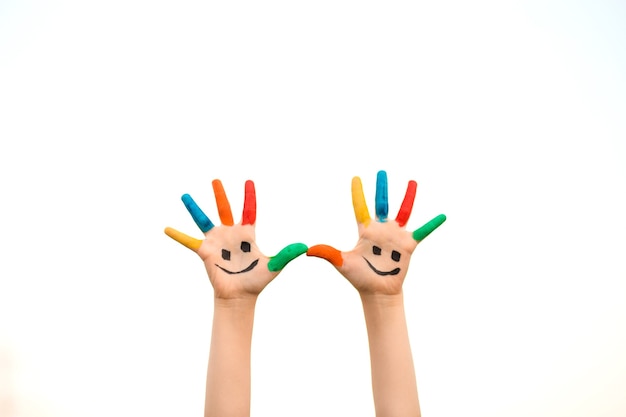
<point>327,252</point>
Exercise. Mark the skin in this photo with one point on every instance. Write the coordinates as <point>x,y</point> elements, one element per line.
<point>238,272</point>
<point>377,267</point>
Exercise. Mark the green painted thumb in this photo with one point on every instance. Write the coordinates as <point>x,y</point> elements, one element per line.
<point>286,255</point>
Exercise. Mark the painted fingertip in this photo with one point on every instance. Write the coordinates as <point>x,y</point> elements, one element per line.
<point>407,204</point>
<point>382,196</point>
<point>183,239</point>
<point>358,202</point>
<point>327,252</point>
<point>286,255</point>
<point>202,220</point>
<point>421,233</point>
<point>249,204</point>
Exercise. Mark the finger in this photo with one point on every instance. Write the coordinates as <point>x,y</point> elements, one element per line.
<point>407,204</point>
<point>382,197</point>
<point>183,239</point>
<point>421,233</point>
<point>286,255</point>
<point>329,253</point>
<point>249,204</point>
<point>223,206</point>
<point>201,219</point>
<point>358,202</point>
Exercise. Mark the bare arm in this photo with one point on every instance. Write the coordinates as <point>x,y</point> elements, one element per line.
<point>377,267</point>
<point>238,272</point>
<point>228,374</point>
<point>393,376</point>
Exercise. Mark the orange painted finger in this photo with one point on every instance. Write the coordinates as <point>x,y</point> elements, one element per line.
<point>329,253</point>
<point>223,206</point>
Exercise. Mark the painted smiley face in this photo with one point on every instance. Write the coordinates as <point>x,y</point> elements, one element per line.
<point>395,256</point>
<point>245,248</point>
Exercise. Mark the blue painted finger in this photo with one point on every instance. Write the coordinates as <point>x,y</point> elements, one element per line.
<point>201,219</point>
<point>382,197</point>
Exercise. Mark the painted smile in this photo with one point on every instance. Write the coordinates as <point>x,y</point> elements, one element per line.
<point>392,272</point>
<point>249,268</point>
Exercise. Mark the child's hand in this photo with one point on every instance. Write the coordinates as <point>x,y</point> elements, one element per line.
<point>378,263</point>
<point>235,265</point>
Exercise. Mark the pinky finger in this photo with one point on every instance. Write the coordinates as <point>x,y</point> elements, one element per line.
<point>183,239</point>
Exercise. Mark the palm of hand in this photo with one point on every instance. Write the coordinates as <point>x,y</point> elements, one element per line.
<point>379,262</point>
<point>235,265</point>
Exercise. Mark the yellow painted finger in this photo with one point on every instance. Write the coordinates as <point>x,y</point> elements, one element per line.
<point>358,202</point>
<point>183,239</point>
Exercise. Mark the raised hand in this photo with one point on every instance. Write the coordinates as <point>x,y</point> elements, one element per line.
<point>379,262</point>
<point>235,265</point>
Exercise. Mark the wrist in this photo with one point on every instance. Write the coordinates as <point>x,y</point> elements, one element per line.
<point>383,311</point>
<point>384,301</point>
<point>245,303</point>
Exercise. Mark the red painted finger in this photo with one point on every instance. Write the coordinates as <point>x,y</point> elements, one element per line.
<point>249,204</point>
<point>407,204</point>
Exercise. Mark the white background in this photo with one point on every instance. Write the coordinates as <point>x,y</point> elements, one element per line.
<point>509,115</point>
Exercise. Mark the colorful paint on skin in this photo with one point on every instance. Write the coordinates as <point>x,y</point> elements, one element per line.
<point>382,197</point>
<point>201,219</point>
<point>358,202</point>
<point>286,255</point>
<point>421,233</point>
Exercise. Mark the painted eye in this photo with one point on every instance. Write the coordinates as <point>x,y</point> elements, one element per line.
<point>395,255</point>
<point>376,250</point>
<point>225,254</point>
<point>245,246</point>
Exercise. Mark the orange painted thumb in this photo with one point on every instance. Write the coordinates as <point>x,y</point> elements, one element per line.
<point>329,253</point>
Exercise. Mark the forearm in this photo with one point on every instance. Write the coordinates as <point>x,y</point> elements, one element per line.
<point>228,374</point>
<point>393,373</point>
